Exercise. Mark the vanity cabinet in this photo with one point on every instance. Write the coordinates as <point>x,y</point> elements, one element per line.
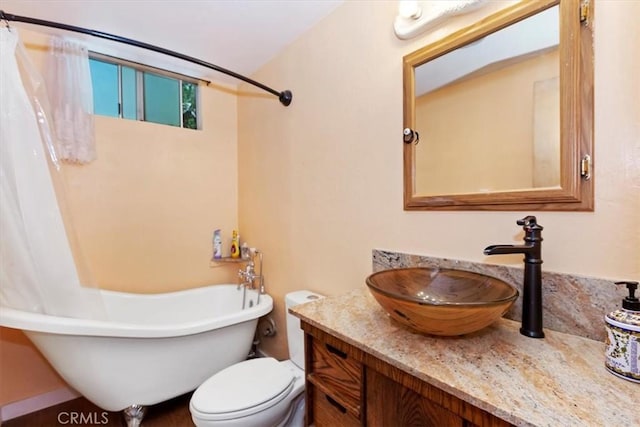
<point>346,386</point>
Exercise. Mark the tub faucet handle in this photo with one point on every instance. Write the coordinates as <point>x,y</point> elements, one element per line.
<point>247,275</point>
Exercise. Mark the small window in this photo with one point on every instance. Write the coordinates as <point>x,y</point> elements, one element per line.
<point>132,91</point>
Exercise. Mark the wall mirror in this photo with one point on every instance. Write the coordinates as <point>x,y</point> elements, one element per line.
<point>504,113</point>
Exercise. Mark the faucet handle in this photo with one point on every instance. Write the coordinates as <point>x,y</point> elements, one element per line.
<point>529,223</point>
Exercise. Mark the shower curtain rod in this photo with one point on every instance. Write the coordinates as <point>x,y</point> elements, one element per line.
<point>285,96</point>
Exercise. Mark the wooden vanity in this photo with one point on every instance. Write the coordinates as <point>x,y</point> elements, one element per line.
<point>364,369</point>
<point>349,387</point>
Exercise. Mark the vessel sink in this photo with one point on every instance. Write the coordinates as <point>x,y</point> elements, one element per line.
<point>441,301</point>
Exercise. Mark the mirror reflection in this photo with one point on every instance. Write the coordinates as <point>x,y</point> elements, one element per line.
<point>499,94</point>
<point>504,110</point>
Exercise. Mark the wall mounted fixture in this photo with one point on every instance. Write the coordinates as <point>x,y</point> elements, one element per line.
<point>284,97</point>
<point>415,17</point>
<point>553,136</point>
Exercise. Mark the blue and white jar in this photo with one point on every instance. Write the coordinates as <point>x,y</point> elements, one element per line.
<point>623,337</point>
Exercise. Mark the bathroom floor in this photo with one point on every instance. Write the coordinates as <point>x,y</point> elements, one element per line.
<point>173,413</point>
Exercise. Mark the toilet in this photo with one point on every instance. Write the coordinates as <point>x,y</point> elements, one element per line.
<point>262,392</point>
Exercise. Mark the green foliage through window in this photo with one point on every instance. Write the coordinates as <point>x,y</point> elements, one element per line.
<point>126,91</point>
<point>189,109</point>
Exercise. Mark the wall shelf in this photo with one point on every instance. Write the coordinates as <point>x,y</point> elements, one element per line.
<point>218,262</point>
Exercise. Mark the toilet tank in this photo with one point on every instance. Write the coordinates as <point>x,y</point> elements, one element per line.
<point>295,335</point>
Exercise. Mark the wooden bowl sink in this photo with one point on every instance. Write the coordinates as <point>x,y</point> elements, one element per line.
<point>441,301</point>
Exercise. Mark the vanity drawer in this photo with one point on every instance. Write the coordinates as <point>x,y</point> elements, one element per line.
<point>335,371</point>
<point>327,412</point>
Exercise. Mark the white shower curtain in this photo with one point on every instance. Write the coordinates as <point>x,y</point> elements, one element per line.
<point>69,87</point>
<point>37,268</point>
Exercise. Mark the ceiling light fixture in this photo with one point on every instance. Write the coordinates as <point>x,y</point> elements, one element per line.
<point>415,17</point>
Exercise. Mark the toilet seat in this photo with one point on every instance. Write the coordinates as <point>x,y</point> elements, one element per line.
<point>242,390</point>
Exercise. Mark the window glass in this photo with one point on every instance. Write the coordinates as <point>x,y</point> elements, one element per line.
<point>161,99</point>
<point>189,108</point>
<point>121,89</point>
<point>104,78</point>
<point>129,93</point>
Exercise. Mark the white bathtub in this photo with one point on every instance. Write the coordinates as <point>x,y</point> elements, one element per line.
<point>153,348</point>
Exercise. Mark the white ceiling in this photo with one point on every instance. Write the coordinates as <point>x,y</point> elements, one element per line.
<point>537,33</point>
<point>240,35</point>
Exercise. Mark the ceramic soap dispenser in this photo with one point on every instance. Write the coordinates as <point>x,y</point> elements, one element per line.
<point>623,337</point>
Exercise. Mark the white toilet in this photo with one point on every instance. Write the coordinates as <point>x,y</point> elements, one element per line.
<point>259,392</point>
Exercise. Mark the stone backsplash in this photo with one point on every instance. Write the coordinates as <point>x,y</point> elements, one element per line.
<point>571,304</point>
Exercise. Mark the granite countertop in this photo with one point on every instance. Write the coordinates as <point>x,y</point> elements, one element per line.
<point>556,381</point>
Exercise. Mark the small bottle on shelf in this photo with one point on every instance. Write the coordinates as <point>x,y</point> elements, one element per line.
<point>217,244</point>
<point>244,251</point>
<point>235,245</point>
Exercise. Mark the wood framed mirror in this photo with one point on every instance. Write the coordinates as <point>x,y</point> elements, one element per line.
<point>504,113</point>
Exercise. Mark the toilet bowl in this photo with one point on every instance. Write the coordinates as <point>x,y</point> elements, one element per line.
<point>262,392</point>
<point>258,392</point>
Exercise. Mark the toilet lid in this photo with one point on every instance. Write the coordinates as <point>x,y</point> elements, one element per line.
<point>243,387</point>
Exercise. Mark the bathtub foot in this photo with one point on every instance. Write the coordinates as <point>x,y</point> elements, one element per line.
<point>133,415</point>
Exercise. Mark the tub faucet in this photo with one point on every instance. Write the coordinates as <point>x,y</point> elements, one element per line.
<point>532,287</point>
<point>249,276</point>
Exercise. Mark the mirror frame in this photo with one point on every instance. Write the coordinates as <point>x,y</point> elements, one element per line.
<point>576,114</point>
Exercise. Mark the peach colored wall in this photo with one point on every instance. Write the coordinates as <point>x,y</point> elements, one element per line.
<point>24,371</point>
<point>145,210</point>
<point>321,180</point>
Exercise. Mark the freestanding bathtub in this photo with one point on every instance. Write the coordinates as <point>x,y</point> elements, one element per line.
<point>153,347</point>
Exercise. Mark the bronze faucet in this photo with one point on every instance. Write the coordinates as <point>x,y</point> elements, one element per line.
<point>532,287</point>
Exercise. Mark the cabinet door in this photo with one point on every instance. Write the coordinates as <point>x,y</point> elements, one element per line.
<point>391,404</point>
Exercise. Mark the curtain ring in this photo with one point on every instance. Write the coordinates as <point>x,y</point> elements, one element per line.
<point>4,19</point>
